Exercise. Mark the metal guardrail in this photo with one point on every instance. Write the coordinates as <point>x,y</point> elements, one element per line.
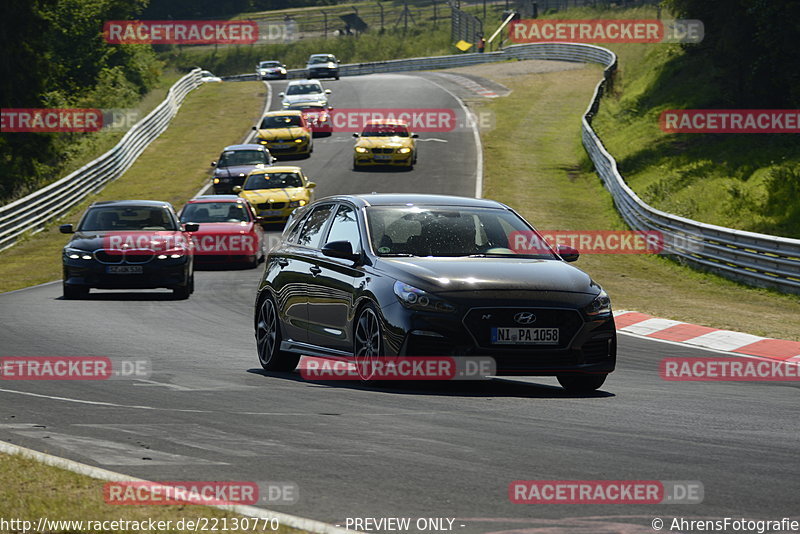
<point>756,259</point>
<point>31,213</point>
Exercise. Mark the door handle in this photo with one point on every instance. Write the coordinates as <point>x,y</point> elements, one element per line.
<point>283,262</point>
<point>315,270</point>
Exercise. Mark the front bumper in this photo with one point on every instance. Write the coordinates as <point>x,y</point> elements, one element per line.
<point>372,159</point>
<point>169,273</point>
<point>586,346</point>
<point>286,148</point>
<point>323,72</point>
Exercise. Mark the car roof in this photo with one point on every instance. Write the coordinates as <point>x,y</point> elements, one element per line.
<point>250,146</point>
<point>304,80</point>
<point>269,61</point>
<point>215,198</point>
<point>282,113</point>
<point>132,203</point>
<point>278,168</point>
<point>402,199</point>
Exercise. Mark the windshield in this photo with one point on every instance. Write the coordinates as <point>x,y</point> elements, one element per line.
<point>243,157</point>
<point>321,59</point>
<point>446,231</point>
<point>280,121</point>
<point>105,219</point>
<point>385,130</point>
<point>304,89</point>
<point>215,212</point>
<point>273,180</point>
<point>269,64</point>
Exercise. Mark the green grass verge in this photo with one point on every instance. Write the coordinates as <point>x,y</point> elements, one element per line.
<point>534,161</point>
<point>161,172</point>
<point>744,181</point>
<point>30,490</point>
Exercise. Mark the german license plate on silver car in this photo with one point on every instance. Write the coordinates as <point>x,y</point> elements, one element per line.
<point>524,336</point>
<point>124,269</point>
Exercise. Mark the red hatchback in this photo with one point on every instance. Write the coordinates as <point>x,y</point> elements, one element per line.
<point>230,230</point>
<point>318,117</point>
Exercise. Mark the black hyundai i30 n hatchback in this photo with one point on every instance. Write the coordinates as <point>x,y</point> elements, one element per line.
<point>392,275</point>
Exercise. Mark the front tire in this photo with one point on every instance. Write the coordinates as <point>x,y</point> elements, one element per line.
<point>580,383</point>
<point>268,340</point>
<point>367,342</point>
<point>183,292</point>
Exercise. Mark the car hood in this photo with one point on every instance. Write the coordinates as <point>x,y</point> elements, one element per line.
<point>310,97</point>
<point>329,65</point>
<point>451,275</point>
<point>270,69</point>
<point>221,228</point>
<point>91,241</point>
<point>236,170</point>
<point>285,194</point>
<point>385,142</point>
<point>274,134</point>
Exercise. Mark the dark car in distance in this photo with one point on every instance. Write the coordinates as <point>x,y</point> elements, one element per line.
<point>128,244</point>
<point>368,276</point>
<point>322,66</point>
<point>235,163</point>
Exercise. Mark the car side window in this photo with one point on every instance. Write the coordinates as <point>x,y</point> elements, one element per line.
<point>345,227</point>
<point>312,227</point>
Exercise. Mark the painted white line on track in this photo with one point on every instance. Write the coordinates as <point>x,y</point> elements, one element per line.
<point>302,523</point>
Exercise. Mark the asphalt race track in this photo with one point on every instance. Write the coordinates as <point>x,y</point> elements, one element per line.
<point>209,412</point>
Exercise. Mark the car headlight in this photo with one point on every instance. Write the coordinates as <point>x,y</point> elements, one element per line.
<point>299,140</point>
<point>77,254</point>
<point>262,141</point>
<point>297,203</point>
<point>417,299</point>
<point>361,150</point>
<point>404,150</point>
<point>601,305</point>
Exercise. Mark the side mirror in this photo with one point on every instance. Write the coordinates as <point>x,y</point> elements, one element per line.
<point>567,253</point>
<point>281,94</point>
<point>311,185</point>
<point>213,163</point>
<point>191,227</point>
<point>355,135</point>
<point>259,219</point>
<point>340,249</point>
<point>327,91</point>
<point>237,189</point>
<point>415,136</point>
<point>66,229</point>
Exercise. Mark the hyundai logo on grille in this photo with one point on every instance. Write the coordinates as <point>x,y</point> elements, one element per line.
<point>524,318</point>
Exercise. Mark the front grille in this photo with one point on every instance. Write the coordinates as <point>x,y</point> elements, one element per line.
<point>382,150</point>
<point>130,256</point>
<point>479,322</point>
<point>272,205</point>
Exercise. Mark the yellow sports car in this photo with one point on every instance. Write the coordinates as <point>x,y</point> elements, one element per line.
<point>276,191</point>
<point>285,133</point>
<point>385,142</point>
